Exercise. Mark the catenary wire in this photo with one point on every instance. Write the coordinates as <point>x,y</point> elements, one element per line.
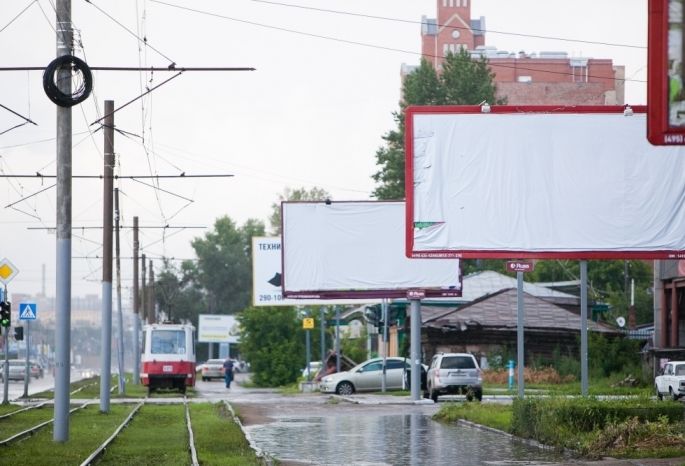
<point>490,31</point>
<point>374,46</point>
<point>18,15</point>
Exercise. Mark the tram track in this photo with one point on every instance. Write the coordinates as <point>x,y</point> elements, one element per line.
<point>101,449</point>
<point>37,427</point>
<point>22,410</point>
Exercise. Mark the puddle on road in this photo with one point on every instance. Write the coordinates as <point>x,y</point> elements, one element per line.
<point>397,440</point>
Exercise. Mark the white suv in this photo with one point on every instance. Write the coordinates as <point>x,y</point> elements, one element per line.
<point>451,373</point>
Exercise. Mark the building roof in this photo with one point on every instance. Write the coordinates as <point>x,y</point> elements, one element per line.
<point>487,282</point>
<point>499,311</point>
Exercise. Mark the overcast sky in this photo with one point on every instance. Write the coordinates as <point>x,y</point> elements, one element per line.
<point>312,114</point>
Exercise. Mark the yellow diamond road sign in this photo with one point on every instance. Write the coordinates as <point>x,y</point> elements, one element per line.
<point>7,271</point>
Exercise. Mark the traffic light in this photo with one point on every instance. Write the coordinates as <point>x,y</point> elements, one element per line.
<point>18,333</point>
<point>5,313</point>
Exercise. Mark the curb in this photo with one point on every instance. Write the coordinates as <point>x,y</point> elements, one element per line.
<point>265,457</point>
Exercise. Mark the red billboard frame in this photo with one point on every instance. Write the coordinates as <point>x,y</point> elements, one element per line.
<point>496,254</point>
<point>662,71</point>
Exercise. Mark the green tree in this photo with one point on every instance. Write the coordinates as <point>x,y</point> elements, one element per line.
<point>299,194</point>
<point>224,265</point>
<point>272,340</point>
<point>463,81</point>
<point>178,294</point>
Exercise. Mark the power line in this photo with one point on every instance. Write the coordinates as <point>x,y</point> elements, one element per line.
<point>18,15</point>
<point>139,68</point>
<point>380,47</point>
<point>164,227</point>
<point>446,26</point>
<point>118,177</point>
<point>142,41</point>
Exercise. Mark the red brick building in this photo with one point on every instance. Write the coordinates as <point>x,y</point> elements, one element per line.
<point>543,78</point>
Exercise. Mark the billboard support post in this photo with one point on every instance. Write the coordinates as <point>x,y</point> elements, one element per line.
<point>519,333</point>
<point>415,350</point>
<point>583,329</point>
<point>337,339</point>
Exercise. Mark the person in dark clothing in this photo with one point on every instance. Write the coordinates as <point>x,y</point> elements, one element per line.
<point>228,372</point>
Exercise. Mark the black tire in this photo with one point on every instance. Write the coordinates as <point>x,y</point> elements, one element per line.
<point>469,395</point>
<point>204,379</point>
<point>479,395</point>
<point>344,388</point>
<point>433,395</point>
<point>659,396</point>
<point>52,90</point>
<point>672,394</point>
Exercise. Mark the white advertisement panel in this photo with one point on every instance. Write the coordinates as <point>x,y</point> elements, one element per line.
<point>545,183</point>
<point>356,249</point>
<point>267,271</point>
<point>217,328</point>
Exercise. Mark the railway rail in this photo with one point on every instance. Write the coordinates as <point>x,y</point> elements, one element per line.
<point>37,427</point>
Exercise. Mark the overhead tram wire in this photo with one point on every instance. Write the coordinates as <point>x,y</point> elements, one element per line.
<point>19,14</point>
<point>447,26</point>
<point>374,46</point>
<point>118,177</point>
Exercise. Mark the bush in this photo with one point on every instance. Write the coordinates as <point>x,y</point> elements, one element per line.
<point>560,421</point>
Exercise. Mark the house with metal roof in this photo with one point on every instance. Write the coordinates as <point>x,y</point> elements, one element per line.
<point>488,325</point>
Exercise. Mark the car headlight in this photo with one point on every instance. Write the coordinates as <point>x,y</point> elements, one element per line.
<point>327,379</point>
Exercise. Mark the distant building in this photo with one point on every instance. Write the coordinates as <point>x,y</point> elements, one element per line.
<point>542,78</point>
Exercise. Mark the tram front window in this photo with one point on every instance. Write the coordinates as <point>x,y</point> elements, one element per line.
<point>168,342</point>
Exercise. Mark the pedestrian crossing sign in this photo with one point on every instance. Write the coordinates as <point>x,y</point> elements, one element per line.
<point>27,311</point>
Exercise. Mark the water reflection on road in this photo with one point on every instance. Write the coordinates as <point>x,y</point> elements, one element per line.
<point>408,439</point>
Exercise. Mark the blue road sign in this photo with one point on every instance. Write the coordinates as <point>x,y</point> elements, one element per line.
<point>27,311</point>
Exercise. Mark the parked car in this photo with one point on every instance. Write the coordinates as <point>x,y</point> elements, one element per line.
<point>213,369</point>
<point>367,377</point>
<point>671,380</point>
<point>454,373</point>
<point>17,369</point>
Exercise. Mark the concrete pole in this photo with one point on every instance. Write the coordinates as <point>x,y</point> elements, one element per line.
<point>583,329</point>
<point>323,337</point>
<point>337,338</point>
<point>384,310</point>
<point>107,213</point>
<point>136,306</point>
<point>120,315</point>
<point>63,231</point>
<point>415,350</point>
<point>143,295</point>
<point>152,316</point>
<point>520,321</point>
<point>6,366</point>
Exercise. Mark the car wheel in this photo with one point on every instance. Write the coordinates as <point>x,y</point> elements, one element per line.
<point>469,395</point>
<point>673,396</point>
<point>344,388</point>
<point>204,379</point>
<point>479,395</point>
<point>433,395</point>
<point>659,396</point>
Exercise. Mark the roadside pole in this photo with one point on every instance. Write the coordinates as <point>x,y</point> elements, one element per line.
<point>519,333</point>
<point>583,329</point>
<point>64,36</point>
<point>384,310</point>
<point>5,366</point>
<point>136,306</point>
<point>337,338</point>
<point>120,316</point>
<point>27,374</point>
<point>323,337</point>
<point>415,303</point>
<point>106,329</point>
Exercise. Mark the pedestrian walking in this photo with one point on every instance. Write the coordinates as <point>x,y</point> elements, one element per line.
<point>228,372</point>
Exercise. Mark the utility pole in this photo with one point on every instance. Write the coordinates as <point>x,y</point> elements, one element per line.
<point>136,306</point>
<point>143,296</point>
<point>152,316</point>
<point>64,38</point>
<point>120,330</point>
<point>106,329</point>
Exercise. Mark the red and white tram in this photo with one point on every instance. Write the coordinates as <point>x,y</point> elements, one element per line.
<point>168,356</point>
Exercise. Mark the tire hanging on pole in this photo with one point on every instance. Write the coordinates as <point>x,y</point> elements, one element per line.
<point>52,90</point>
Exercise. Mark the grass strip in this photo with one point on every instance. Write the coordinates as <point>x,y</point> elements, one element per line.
<point>491,415</point>
<point>218,438</point>
<point>24,420</point>
<point>9,408</point>
<point>88,428</point>
<point>156,436</point>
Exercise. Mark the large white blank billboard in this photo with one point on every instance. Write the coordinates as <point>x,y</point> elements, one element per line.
<point>356,249</point>
<point>267,272</point>
<point>541,182</point>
